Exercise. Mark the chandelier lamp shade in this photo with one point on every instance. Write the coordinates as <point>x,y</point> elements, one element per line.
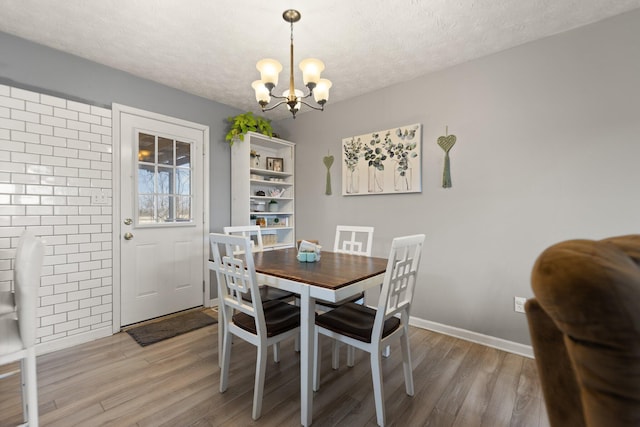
<point>292,97</point>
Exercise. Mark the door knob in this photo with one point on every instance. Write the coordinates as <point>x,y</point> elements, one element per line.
<point>128,236</point>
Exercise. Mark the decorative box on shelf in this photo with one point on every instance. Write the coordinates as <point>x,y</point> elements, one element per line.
<point>269,239</point>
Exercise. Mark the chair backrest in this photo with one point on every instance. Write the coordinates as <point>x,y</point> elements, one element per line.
<point>252,231</point>
<point>399,281</point>
<point>355,240</point>
<point>27,271</point>
<point>236,275</point>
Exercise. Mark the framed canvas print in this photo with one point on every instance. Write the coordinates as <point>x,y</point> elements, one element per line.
<point>383,162</point>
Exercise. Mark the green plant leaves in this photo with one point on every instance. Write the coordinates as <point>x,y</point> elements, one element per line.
<point>243,123</point>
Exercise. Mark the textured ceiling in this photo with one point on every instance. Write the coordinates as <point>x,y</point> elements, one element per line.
<point>209,47</point>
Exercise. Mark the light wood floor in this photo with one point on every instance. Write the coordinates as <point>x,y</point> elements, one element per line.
<point>113,381</point>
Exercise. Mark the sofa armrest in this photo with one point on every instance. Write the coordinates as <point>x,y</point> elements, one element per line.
<point>557,378</point>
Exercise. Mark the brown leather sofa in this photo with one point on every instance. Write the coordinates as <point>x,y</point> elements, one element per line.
<point>585,331</point>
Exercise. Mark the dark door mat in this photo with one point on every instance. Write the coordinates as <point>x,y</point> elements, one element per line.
<point>154,332</point>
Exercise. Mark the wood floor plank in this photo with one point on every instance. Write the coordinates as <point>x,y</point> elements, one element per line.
<point>502,402</point>
<point>433,379</point>
<point>115,382</point>
<point>477,400</point>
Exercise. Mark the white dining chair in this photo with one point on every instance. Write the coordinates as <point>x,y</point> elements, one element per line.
<point>254,233</point>
<point>371,329</point>
<point>18,333</point>
<point>259,324</point>
<point>354,240</point>
<point>267,293</point>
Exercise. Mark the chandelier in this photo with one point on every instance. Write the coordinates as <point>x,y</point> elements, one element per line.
<point>292,98</point>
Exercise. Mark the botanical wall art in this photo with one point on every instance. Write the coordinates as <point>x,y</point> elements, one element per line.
<point>383,162</point>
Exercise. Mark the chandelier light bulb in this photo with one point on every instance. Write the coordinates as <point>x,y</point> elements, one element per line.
<point>262,93</point>
<point>298,95</point>
<point>311,69</point>
<point>269,70</point>
<point>321,91</point>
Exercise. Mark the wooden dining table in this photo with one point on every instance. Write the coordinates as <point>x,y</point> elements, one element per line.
<point>335,277</point>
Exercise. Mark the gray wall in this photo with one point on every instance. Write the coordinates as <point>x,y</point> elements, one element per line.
<point>548,149</point>
<point>31,66</point>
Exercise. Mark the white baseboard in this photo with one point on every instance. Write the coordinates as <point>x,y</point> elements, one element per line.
<point>73,340</point>
<point>499,343</point>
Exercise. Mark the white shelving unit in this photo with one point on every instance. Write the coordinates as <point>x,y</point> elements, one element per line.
<point>248,179</point>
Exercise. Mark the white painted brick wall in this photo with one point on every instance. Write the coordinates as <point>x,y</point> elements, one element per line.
<point>54,155</point>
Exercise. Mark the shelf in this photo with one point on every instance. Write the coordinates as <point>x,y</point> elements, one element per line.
<point>270,198</point>
<point>271,213</point>
<point>278,245</point>
<point>269,173</point>
<point>272,183</point>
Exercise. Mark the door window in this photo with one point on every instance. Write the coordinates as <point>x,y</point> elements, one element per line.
<point>164,180</point>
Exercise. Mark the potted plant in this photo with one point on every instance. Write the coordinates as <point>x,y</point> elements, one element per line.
<point>243,123</point>
<point>273,206</point>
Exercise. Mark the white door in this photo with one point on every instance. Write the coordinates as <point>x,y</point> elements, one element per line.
<point>161,226</point>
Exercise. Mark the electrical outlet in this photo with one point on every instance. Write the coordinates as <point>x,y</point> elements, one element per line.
<point>518,304</point>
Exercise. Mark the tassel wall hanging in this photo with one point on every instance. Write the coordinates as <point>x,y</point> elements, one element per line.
<point>446,142</point>
<point>328,161</point>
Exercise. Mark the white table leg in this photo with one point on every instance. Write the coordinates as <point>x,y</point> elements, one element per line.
<point>307,323</point>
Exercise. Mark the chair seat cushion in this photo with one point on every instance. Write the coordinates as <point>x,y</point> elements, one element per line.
<point>10,341</point>
<point>269,293</point>
<point>334,305</point>
<point>279,317</point>
<point>355,321</point>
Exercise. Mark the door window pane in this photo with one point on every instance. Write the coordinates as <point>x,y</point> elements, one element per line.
<point>183,182</point>
<point>183,154</point>
<point>183,208</point>
<point>146,179</point>
<point>165,151</point>
<point>164,208</point>
<point>165,180</point>
<point>146,148</point>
